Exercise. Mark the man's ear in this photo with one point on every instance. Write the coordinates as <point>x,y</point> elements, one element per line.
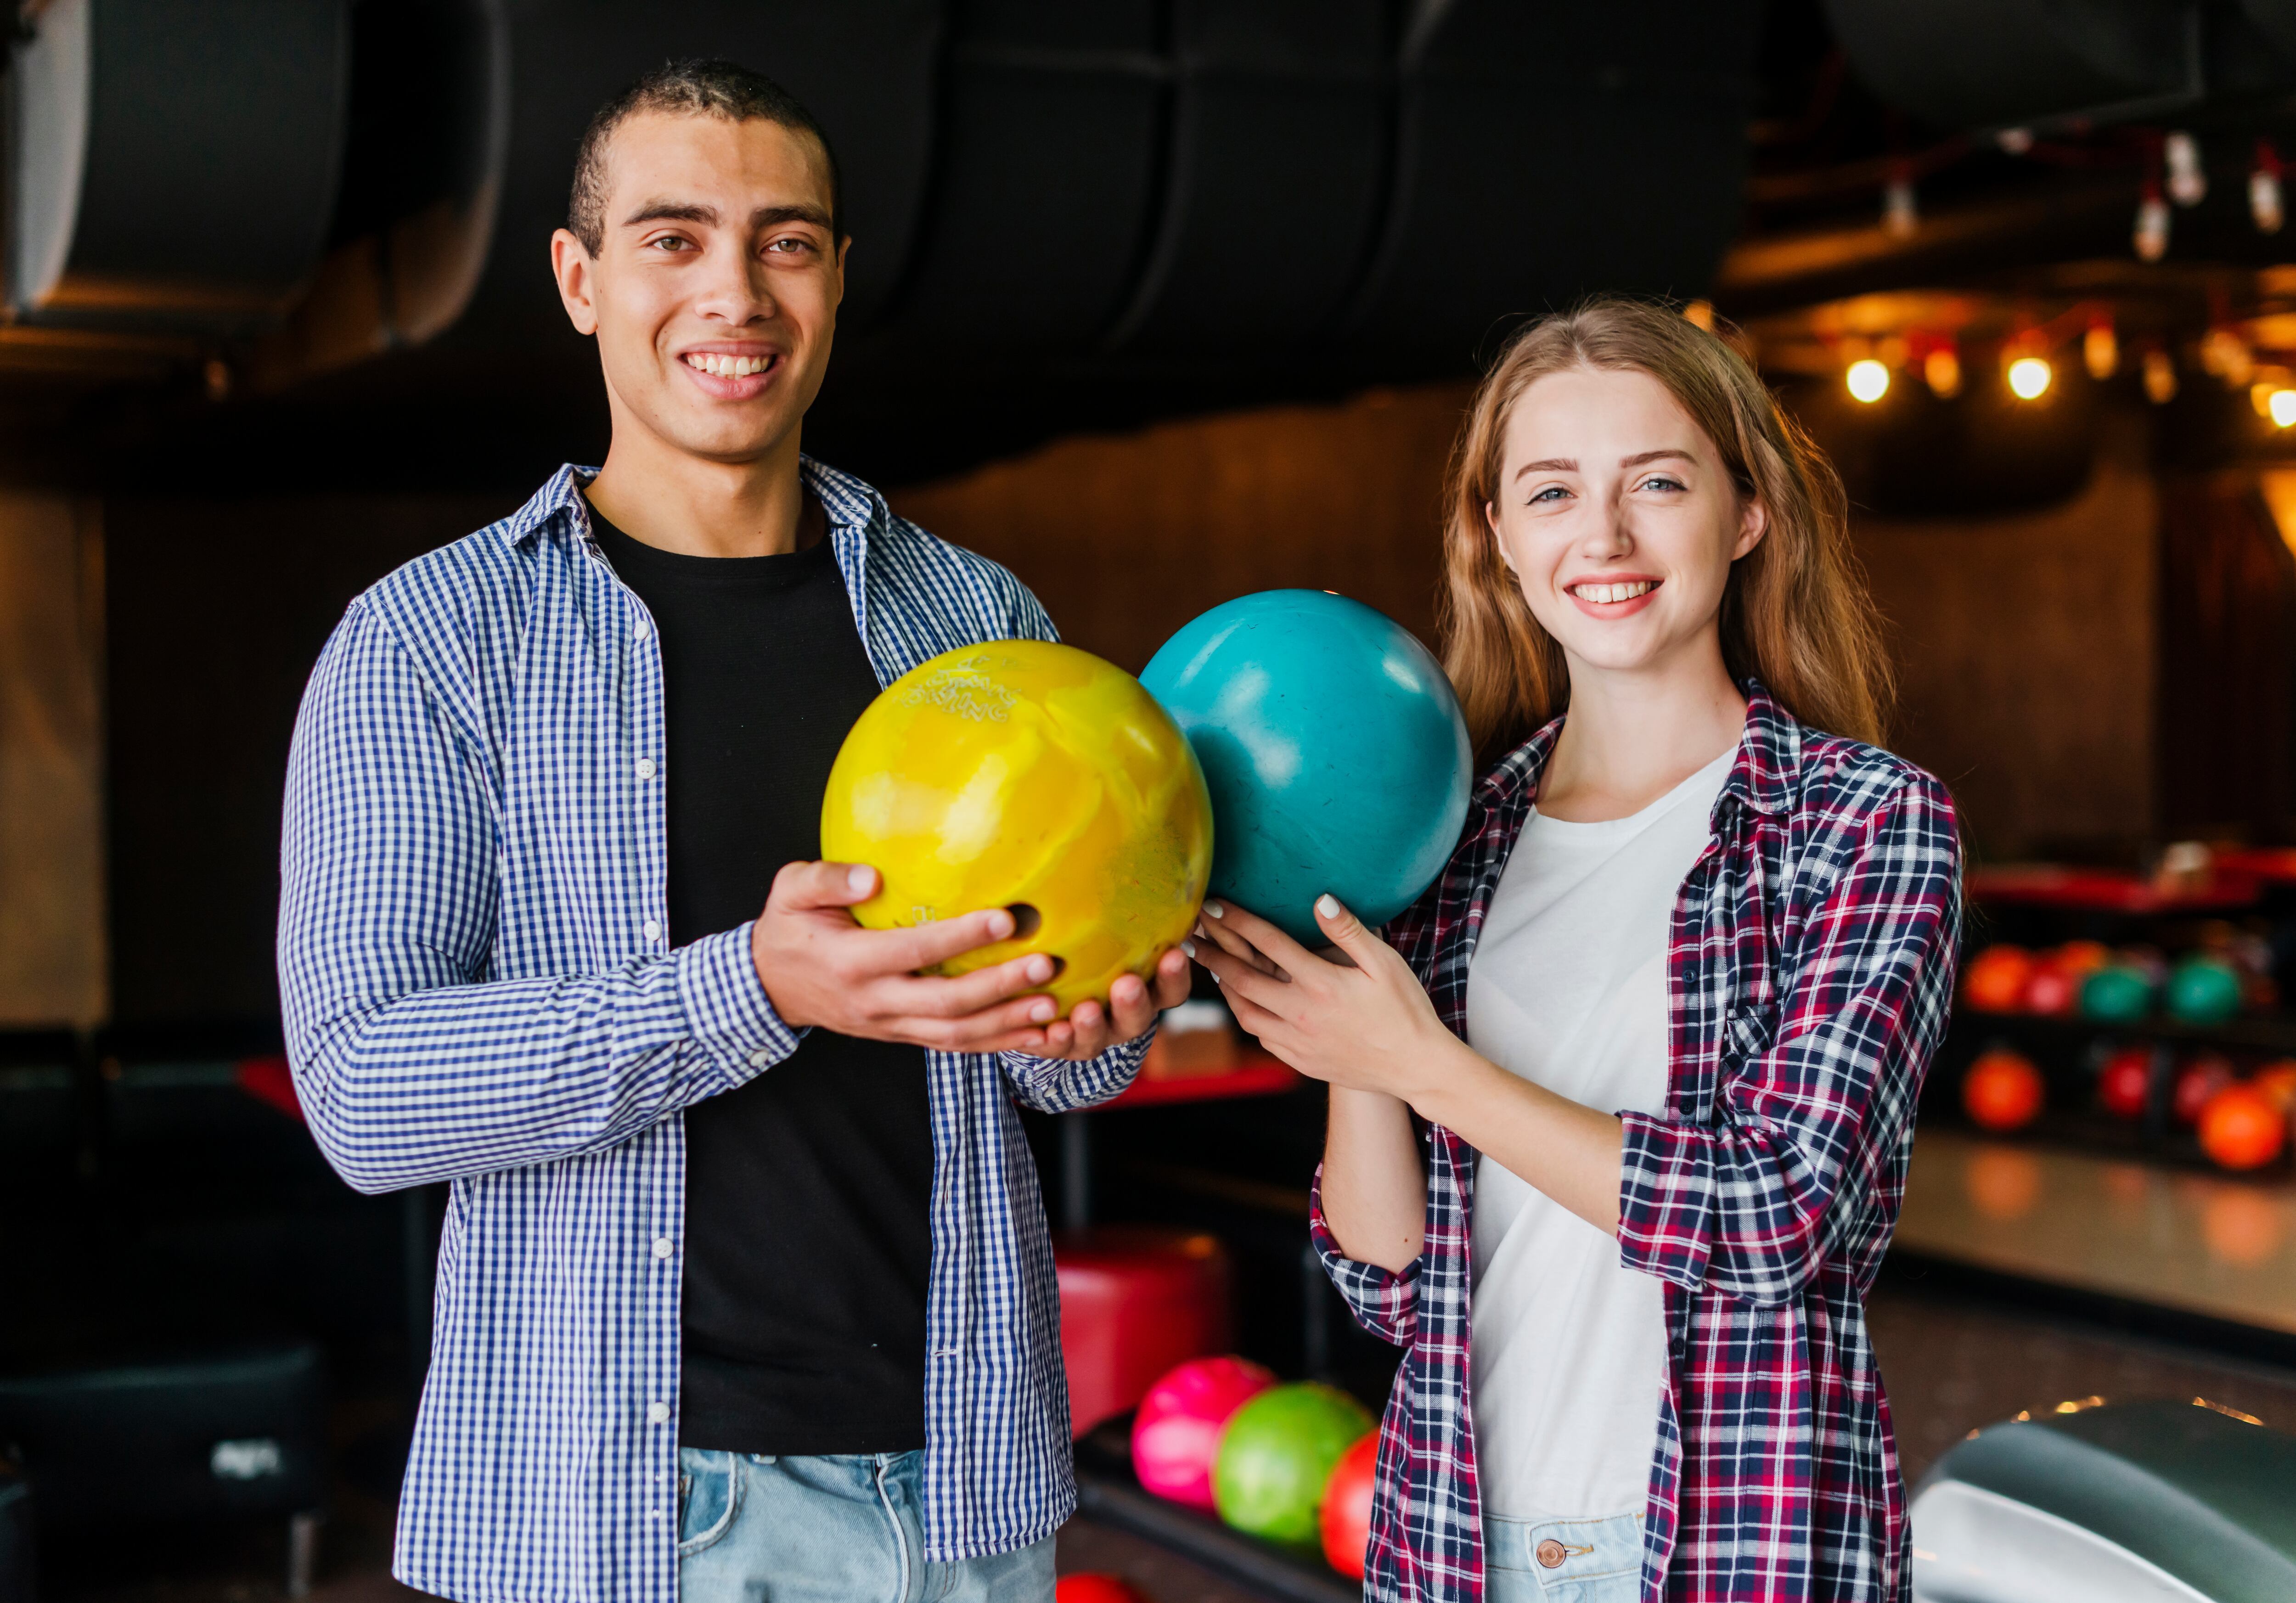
<point>843,246</point>
<point>1753,523</point>
<point>571,266</point>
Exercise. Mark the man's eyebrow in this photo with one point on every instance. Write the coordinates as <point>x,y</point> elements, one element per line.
<point>1553,464</point>
<point>768,216</point>
<point>671,211</point>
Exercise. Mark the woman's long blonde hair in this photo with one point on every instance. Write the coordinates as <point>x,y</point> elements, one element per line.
<point>1795,613</point>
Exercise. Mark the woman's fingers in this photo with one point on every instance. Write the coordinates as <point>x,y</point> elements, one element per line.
<point>1239,978</point>
<point>1234,944</point>
<point>1271,943</point>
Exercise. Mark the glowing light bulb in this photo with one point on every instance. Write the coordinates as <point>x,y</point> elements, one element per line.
<point>2151,236</point>
<point>1868,381</point>
<point>2283,406</point>
<point>2101,350</point>
<point>1941,370</point>
<point>2188,180</point>
<point>2028,378</point>
<point>2159,377</point>
<point>2264,198</point>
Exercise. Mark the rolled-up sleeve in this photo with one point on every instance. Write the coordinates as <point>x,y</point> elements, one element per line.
<point>1817,1092</point>
<point>1384,1301</point>
<point>1063,1086</point>
<point>409,1068</point>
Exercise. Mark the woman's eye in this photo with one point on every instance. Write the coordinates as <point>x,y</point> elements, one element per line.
<point>1661,481</point>
<point>1553,492</point>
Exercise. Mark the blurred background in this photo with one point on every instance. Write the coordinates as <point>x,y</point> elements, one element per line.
<point>1158,302</point>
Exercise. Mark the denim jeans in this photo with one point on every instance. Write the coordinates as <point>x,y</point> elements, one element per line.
<point>1564,1561</point>
<point>755,1528</point>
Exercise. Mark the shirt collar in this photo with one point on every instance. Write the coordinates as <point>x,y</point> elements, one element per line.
<point>558,506</point>
<point>1765,777</point>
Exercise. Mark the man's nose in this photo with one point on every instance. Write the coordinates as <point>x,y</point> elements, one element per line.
<point>735,289</point>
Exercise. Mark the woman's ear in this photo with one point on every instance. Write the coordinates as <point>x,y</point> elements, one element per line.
<point>1491,521</point>
<point>1753,523</point>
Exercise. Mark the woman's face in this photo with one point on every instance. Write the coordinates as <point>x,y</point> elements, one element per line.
<point>1619,521</point>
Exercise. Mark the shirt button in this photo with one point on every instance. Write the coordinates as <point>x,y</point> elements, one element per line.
<point>662,1247</point>
<point>657,1413</point>
<point>645,768</point>
<point>653,929</point>
<point>761,1058</point>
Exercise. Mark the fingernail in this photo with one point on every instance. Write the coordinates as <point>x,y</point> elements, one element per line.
<point>1041,1013</point>
<point>1214,910</point>
<point>859,877</point>
<point>1000,924</point>
<point>1215,974</point>
<point>1039,969</point>
<point>1189,947</point>
<point>1328,906</point>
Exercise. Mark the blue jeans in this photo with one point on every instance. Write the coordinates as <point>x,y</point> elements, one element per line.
<point>755,1528</point>
<point>1564,1561</point>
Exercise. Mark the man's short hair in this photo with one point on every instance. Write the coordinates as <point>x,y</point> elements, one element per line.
<point>694,88</point>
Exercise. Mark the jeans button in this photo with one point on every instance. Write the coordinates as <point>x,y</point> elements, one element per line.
<point>1550,1554</point>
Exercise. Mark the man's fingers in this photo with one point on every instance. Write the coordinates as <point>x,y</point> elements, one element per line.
<point>1132,1008</point>
<point>800,885</point>
<point>931,996</point>
<point>905,951</point>
<point>1171,986</point>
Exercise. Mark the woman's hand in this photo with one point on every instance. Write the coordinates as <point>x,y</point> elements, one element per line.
<point>1365,1023</point>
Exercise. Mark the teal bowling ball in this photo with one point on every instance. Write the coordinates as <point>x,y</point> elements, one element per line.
<point>2118,995</point>
<point>2202,990</point>
<point>1333,749</point>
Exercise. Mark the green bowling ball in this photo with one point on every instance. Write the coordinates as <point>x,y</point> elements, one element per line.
<point>2203,990</point>
<point>2118,994</point>
<point>1277,1453</point>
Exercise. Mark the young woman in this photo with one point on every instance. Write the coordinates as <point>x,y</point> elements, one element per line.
<point>1619,1123</point>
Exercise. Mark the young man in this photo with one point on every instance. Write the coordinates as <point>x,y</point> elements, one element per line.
<point>745,1289</point>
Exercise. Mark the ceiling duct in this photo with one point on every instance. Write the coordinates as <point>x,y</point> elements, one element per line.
<point>1998,63</point>
<point>174,161</point>
<point>1547,151</point>
<point>1279,145</point>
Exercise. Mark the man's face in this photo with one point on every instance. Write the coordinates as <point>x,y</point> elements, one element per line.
<point>714,293</point>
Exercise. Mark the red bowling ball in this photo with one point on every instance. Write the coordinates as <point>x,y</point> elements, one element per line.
<point>1347,1507</point>
<point>1176,1434</point>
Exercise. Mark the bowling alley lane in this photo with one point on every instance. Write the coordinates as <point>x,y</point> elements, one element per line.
<point>2215,1246</point>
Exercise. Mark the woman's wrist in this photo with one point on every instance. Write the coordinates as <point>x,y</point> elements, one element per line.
<point>1450,1075</point>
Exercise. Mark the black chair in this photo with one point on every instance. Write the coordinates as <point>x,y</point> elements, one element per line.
<point>179,1441</point>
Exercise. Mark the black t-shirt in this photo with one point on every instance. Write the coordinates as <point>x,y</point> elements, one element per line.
<point>808,1190</point>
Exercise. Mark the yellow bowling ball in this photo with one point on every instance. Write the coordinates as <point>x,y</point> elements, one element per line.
<point>1034,776</point>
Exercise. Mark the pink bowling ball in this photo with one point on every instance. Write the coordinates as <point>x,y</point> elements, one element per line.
<point>1176,1434</point>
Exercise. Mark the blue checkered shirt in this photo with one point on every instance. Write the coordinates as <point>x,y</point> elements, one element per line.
<point>481,986</point>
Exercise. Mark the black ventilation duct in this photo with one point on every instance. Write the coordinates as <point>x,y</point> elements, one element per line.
<point>174,162</point>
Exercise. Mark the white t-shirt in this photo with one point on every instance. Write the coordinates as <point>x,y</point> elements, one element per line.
<point>1568,989</point>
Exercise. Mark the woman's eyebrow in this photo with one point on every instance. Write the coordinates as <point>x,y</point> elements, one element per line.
<point>1639,458</point>
<point>1553,464</point>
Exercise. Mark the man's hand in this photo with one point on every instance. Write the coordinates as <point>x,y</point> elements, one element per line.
<point>818,967</point>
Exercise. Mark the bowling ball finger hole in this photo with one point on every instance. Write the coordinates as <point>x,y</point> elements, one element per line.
<point>1025,920</point>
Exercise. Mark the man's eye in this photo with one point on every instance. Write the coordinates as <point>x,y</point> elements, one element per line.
<point>790,246</point>
<point>671,242</point>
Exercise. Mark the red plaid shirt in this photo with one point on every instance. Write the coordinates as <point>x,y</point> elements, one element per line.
<point>1808,976</point>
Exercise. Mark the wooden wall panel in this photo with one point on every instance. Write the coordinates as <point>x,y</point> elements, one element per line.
<point>2026,648</point>
<point>52,888</point>
<point>1127,537</point>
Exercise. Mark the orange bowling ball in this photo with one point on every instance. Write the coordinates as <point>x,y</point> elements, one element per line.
<point>1996,979</point>
<point>2002,1090</point>
<point>2241,1128</point>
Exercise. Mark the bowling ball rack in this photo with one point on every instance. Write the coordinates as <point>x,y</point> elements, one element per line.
<point>2040,906</point>
<point>1108,1492</point>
